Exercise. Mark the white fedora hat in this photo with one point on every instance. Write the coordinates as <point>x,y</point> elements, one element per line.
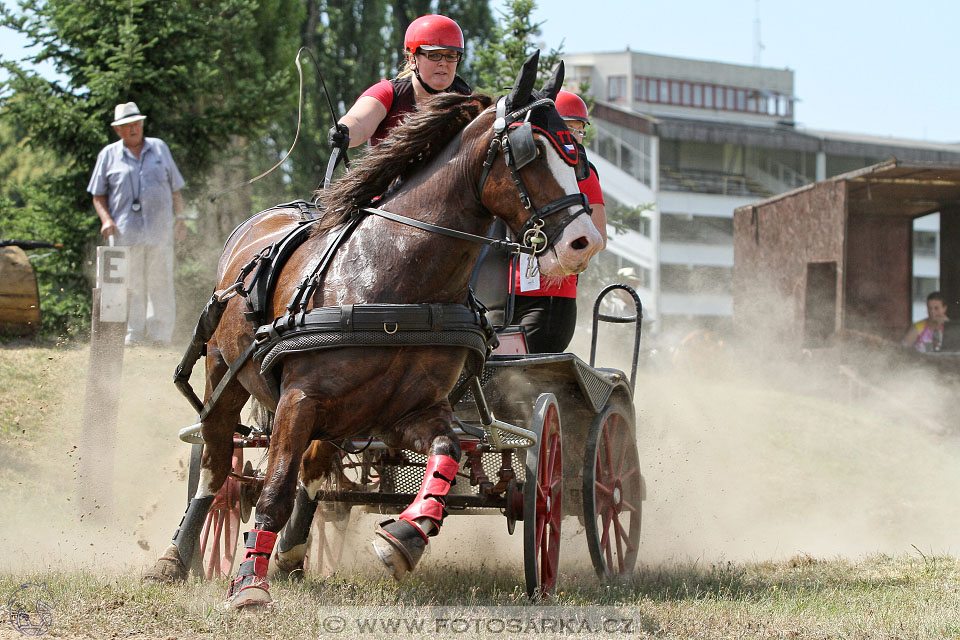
<point>126,113</point>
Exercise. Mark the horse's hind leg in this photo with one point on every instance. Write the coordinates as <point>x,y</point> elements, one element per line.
<point>217,430</point>
<point>400,543</point>
<point>295,421</point>
<point>319,461</point>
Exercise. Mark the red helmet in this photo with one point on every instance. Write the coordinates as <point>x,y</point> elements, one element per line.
<point>433,32</point>
<point>570,106</point>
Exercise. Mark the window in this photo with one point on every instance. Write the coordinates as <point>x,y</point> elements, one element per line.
<point>664,91</point>
<point>687,98</point>
<point>616,88</point>
<point>651,90</point>
<point>708,97</point>
<point>698,95</point>
<point>741,100</point>
<point>731,103</point>
<point>675,92</point>
<point>639,89</point>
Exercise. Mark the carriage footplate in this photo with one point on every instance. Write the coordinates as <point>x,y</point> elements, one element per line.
<point>250,588</point>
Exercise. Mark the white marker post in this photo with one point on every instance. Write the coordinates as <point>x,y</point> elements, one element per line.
<point>102,398</point>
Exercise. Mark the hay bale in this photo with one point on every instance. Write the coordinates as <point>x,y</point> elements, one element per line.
<point>19,298</point>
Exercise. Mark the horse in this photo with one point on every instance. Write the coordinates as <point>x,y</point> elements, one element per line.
<point>438,181</point>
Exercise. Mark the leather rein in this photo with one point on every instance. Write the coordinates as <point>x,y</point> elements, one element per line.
<point>533,240</point>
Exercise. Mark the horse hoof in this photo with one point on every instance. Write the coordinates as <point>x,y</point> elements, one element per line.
<point>289,565</point>
<point>169,568</point>
<point>254,595</point>
<point>399,545</point>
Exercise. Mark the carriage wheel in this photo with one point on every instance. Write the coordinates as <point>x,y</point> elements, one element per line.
<point>612,491</point>
<point>542,491</point>
<point>221,529</point>
<point>328,535</point>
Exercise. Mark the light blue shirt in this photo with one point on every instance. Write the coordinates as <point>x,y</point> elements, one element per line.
<point>151,179</point>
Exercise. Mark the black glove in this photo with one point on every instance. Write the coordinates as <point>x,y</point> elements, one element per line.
<point>339,137</point>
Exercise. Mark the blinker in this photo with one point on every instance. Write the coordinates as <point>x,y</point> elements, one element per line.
<point>522,145</point>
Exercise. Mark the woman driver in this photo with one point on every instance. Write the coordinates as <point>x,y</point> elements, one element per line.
<point>433,46</point>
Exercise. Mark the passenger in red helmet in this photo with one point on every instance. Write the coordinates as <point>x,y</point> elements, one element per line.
<point>548,314</point>
<point>433,46</point>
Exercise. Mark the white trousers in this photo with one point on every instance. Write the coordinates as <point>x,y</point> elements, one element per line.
<point>151,308</point>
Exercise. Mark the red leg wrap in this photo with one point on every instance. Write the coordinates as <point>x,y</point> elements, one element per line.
<point>440,474</point>
<point>253,570</point>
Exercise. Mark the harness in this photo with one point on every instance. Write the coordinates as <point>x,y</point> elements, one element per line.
<point>299,330</point>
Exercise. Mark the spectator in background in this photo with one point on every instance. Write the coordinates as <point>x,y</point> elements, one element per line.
<point>136,193</point>
<point>927,335</point>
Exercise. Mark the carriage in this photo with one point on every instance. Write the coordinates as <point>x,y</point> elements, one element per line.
<point>544,436</point>
<point>356,325</point>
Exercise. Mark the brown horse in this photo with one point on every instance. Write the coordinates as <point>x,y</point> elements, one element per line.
<point>444,158</point>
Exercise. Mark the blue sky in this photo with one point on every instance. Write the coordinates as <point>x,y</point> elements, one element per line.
<point>878,67</point>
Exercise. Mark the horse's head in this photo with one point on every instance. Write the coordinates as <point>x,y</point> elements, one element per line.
<point>535,190</point>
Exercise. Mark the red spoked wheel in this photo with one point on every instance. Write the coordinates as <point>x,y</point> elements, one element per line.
<point>221,529</point>
<point>612,491</point>
<point>328,533</point>
<point>328,536</point>
<point>542,499</point>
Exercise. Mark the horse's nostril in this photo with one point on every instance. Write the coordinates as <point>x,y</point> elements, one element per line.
<point>580,243</point>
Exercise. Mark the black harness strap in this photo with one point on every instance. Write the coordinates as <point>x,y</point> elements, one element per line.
<point>268,270</point>
<point>505,245</point>
<point>231,373</point>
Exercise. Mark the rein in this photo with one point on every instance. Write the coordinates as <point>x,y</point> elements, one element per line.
<point>510,247</point>
<point>533,241</point>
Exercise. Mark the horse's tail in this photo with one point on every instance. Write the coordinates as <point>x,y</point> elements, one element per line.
<point>261,416</point>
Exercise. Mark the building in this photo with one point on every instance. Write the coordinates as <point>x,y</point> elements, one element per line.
<point>697,139</point>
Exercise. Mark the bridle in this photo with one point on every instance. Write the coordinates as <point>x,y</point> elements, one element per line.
<point>519,149</point>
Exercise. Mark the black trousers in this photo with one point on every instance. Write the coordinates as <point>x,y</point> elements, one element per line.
<point>548,321</point>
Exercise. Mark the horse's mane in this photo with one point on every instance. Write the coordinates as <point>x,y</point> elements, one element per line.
<point>411,144</point>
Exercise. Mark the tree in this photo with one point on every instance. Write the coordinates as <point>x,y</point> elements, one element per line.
<point>203,71</point>
<point>356,43</point>
<point>513,41</point>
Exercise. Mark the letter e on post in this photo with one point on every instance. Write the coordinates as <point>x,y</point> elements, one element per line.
<point>112,282</point>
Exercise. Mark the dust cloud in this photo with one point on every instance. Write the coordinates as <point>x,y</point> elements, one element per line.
<point>744,456</point>
<point>751,452</point>
<point>59,516</point>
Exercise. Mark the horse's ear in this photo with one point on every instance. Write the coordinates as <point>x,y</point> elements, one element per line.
<point>520,94</point>
<point>552,86</point>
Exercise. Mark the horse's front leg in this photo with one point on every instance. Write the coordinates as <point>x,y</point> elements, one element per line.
<point>217,431</point>
<point>320,462</point>
<point>296,419</point>
<point>400,543</point>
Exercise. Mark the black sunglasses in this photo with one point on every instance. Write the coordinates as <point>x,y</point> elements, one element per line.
<point>434,56</point>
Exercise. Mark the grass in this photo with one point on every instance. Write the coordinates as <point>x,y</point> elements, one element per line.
<point>877,597</point>
<point>800,450</point>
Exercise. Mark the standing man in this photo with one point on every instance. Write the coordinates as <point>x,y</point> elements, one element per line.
<point>136,192</point>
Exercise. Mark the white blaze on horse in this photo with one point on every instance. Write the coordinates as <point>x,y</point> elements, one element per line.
<point>297,340</point>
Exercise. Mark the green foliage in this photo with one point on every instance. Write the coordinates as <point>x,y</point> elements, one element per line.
<point>624,218</point>
<point>62,274</point>
<point>499,62</point>
<point>204,73</point>
<point>356,44</point>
